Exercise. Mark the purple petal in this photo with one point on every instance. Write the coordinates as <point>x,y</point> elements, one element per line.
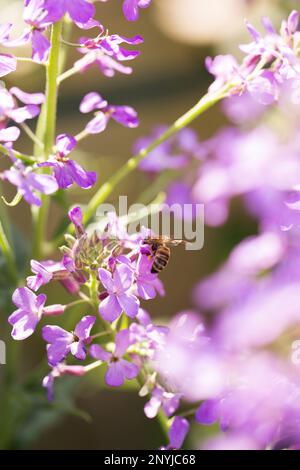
<point>78,350</point>
<point>53,333</point>
<point>84,179</point>
<point>130,304</point>
<point>61,173</point>
<point>293,21</point>
<point>5,29</point>
<point>24,298</point>
<point>208,412</point>
<point>145,290</point>
<point>125,115</point>
<point>27,98</point>
<point>40,46</point>
<point>43,276</point>
<point>24,324</point>
<point>268,25</point>
<point>115,375</point>
<point>130,370</point>
<point>98,124</point>
<point>178,431</point>
<point>109,308</point>
<point>8,64</point>
<point>152,407</point>
<point>26,112</point>
<point>58,351</point>
<point>97,352</point>
<point>171,404</point>
<point>10,134</point>
<point>122,342</point>
<point>106,279</point>
<point>123,277</point>
<point>65,143</point>
<point>83,328</point>
<point>80,11</point>
<point>76,217</point>
<point>131,10</point>
<point>254,33</point>
<point>92,101</point>
<point>46,184</point>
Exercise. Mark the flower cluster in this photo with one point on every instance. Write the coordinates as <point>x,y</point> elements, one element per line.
<point>109,273</point>
<point>270,61</point>
<point>30,175</point>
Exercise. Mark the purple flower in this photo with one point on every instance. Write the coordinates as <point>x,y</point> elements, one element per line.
<point>9,109</point>
<point>145,280</point>
<point>58,371</point>
<point>37,18</point>
<point>28,182</point>
<point>67,171</point>
<point>225,69</point>
<point>161,398</point>
<point>131,8</point>
<point>29,313</point>
<point>80,11</point>
<point>61,342</point>
<point>107,54</point>
<point>124,115</point>
<point>43,275</point>
<point>119,369</point>
<point>118,296</point>
<point>146,332</point>
<point>177,433</point>
<point>31,307</point>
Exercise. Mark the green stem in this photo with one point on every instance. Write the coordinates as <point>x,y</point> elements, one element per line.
<point>51,88</point>
<point>67,74</point>
<point>47,128</point>
<point>206,102</point>
<point>18,155</point>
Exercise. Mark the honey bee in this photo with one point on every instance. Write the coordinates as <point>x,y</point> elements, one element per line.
<point>161,251</point>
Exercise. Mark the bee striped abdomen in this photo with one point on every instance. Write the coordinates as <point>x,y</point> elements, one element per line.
<point>161,259</point>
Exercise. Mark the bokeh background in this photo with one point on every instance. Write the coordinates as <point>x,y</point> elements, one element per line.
<point>169,77</point>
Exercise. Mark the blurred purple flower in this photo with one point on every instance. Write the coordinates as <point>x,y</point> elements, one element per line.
<point>80,11</point>
<point>8,63</point>
<point>28,182</point>
<point>131,8</point>
<point>119,369</point>
<point>177,433</point>
<point>61,342</point>
<point>124,115</point>
<point>9,135</point>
